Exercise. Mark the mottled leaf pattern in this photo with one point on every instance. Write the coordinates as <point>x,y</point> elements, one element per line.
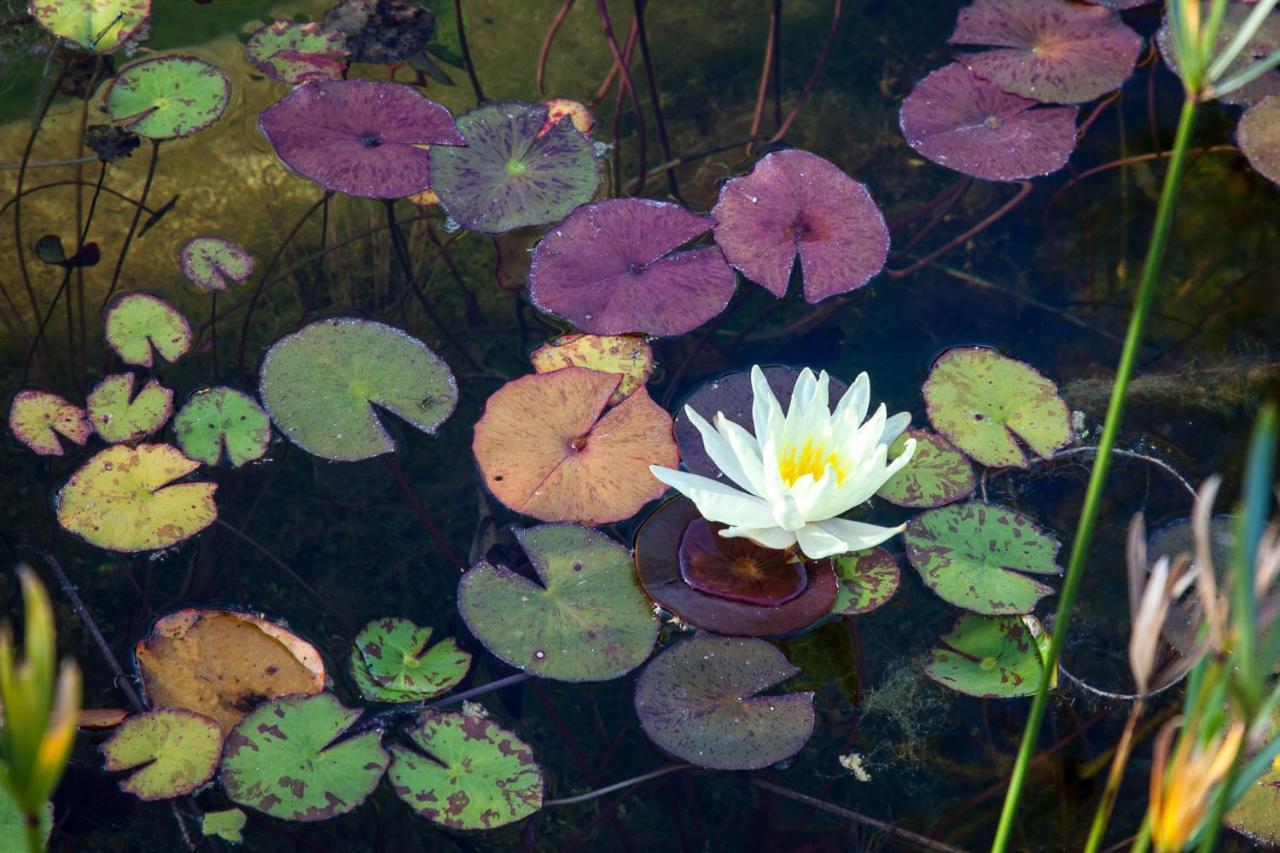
<point>392,661</point>
<point>221,419</point>
<point>37,418</point>
<point>937,474</point>
<point>991,657</point>
<point>168,96</point>
<point>868,579</point>
<point>117,414</point>
<point>170,751</point>
<point>629,355</point>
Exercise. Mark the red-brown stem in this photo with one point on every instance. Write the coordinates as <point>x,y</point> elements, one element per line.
<point>757,117</point>
<point>607,83</point>
<point>540,75</point>
<point>628,83</point>
<point>421,512</point>
<point>652,79</point>
<point>1023,192</point>
<point>818,67</point>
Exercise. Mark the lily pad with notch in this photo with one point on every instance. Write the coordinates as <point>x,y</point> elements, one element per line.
<point>321,384</point>
<point>389,31</point>
<point>1259,137</point>
<point>991,657</point>
<point>585,618</point>
<point>37,418</point>
<point>474,773</point>
<point>210,263</point>
<point>220,419</point>
<point>629,355</point>
<point>289,759</point>
<point>701,701</point>
<point>171,752</point>
<point>136,323</point>
<point>295,52</point>
<point>117,414</point>
<point>977,556</point>
<point>168,96</point>
<point>868,579</point>
<point>392,661</point>
<point>101,26</point>
<point>227,824</point>
<point>937,474</point>
<point>616,266</point>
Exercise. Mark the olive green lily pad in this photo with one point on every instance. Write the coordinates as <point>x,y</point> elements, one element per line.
<point>136,322</point>
<point>867,578</point>
<point>1256,815</point>
<point>166,97</point>
<point>226,824</point>
<point>938,473</point>
<point>37,418</point>
<point>171,752</point>
<point>98,25</point>
<point>391,662</point>
<point>128,499</point>
<point>980,400</point>
<point>210,262</point>
<point>285,759</point>
<point>321,384</point>
<point>992,657</point>
<point>219,418</point>
<point>13,823</point>
<point>118,415</point>
<point>972,554</point>
<point>589,620</point>
<point>478,775</point>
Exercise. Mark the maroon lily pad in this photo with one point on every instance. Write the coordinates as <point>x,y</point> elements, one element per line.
<point>1051,50</point>
<point>738,568</point>
<point>797,204</point>
<point>359,137</point>
<point>700,701</point>
<point>613,267</point>
<point>657,560</point>
<point>958,120</point>
<point>1259,137</point>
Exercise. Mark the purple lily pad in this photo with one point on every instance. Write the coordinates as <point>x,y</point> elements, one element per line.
<point>738,568</point>
<point>958,120</point>
<point>1121,4</point>
<point>657,562</point>
<point>1051,50</point>
<point>1259,137</point>
<point>1265,42</point>
<point>700,701</point>
<point>359,137</point>
<point>732,395</point>
<point>797,204</point>
<point>612,268</point>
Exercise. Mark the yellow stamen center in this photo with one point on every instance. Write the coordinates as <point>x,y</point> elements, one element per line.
<point>797,460</point>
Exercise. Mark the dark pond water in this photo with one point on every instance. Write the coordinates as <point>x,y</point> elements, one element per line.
<point>326,547</point>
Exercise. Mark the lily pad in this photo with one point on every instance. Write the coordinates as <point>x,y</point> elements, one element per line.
<point>294,52</point>
<point>973,555</point>
<point>128,499</point>
<point>222,664</point>
<point>170,751</point>
<point>37,418</point>
<point>576,112</point>
<point>701,701</point>
<point>613,267</point>
<point>393,663</point>
<point>1265,41</point>
<point>119,416</point>
<point>958,120</point>
<point>629,355</point>
<point>796,204</point>
<point>1256,815</point>
<point>218,419</point>
<point>388,31</point>
<point>478,776</point>
<point>287,759</point>
<point>585,619</point>
<point>321,384</point>
<point>998,657</point>
<point>1051,50</point>
<point>657,563</point>
<point>868,579</point>
<point>547,447</point>
<point>168,97</point>
<point>980,400</point>
<point>937,474</point>
<point>1259,137</point>
<point>738,569</point>
<point>508,176</point>
<point>98,25</point>
<point>211,262</point>
<point>227,824</point>
<point>138,322</point>
<point>359,137</point>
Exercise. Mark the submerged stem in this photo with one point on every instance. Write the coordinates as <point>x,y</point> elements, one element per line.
<point>618,786</point>
<point>133,226</point>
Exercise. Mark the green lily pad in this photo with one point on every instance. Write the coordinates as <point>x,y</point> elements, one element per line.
<point>980,400</point>
<point>136,322</point>
<point>210,262</point>
<point>226,824</point>
<point>117,415</point>
<point>171,751</point>
<point>587,621</point>
<point>938,473</point>
<point>868,579</point>
<point>294,52</point>
<point>1256,815</point>
<point>98,25</point>
<point>320,385</point>
<point>13,823</point>
<point>166,97</point>
<point>282,759</point>
<point>992,657</point>
<point>391,662</point>
<point>478,776</point>
<point>214,419</point>
<point>37,418</point>
<point>971,554</point>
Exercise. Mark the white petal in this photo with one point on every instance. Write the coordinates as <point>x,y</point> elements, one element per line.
<point>839,536</point>
<point>822,395</point>
<point>894,427</point>
<point>853,405</point>
<point>765,409</point>
<point>795,427</point>
<point>720,451</point>
<point>717,501</point>
<point>858,445</point>
<point>769,537</point>
<point>745,447</point>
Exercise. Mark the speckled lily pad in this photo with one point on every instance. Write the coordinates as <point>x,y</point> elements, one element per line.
<point>282,759</point>
<point>214,420</point>
<point>117,415</point>
<point>391,661</point>
<point>37,418</point>
<point>210,262</point>
<point>171,751</point>
<point>977,556</point>
<point>991,657</point>
<point>937,474</point>
<point>700,701</point>
<point>1259,137</point>
<point>1265,42</point>
<point>629,355</point>
<point>99,25</point>
<point>868,579</point>
<point>479,775</point>
<point>586,619</point>
<point>170,96</point>
<point>137,322</point>
<point>294,52</point>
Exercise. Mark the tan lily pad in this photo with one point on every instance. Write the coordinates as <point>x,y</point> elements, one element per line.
<point>37,418</point>
<point>117,415</point>
<point>629,355</point>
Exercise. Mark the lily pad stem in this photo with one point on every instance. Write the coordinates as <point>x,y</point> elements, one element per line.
<point>133,226</point>
<point>421,512</point>
<point>466,52</point>
<point>617,786</point>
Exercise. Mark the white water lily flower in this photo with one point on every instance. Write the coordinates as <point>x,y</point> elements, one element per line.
<point>800,471</point>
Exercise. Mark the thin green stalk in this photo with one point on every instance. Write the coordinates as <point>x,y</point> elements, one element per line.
<point>1102,463</point>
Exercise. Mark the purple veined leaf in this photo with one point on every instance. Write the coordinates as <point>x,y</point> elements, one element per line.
<point>958,120</point>
<point>1054,51</point>
<point>797,204</point>
<point>1259,137</point>
<point>614,267</point>
<point>1264,42</point>
<point>359,137</point>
